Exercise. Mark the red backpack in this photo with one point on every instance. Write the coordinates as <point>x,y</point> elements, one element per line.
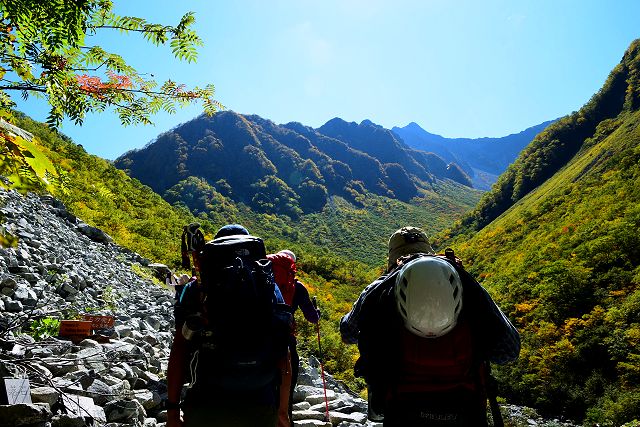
<point>284,270</point>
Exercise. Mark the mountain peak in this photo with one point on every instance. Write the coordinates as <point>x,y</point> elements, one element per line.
<point>413,126</point>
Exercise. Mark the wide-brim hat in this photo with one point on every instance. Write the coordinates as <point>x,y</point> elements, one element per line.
<point>406,241</point>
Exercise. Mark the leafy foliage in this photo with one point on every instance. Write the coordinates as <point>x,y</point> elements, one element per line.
<point>564,262</point>
<point>43,328</point>
<point>45,53</point>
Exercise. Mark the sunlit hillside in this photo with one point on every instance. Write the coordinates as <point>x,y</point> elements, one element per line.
<point>564,259</point>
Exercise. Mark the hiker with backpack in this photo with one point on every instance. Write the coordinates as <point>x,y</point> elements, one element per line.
<point>426,332</point>
<point>232,333</point>
<point>295,295</point>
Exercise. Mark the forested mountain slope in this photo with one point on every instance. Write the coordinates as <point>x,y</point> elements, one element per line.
<point>332,188</point>
<point>559,248</point>
<point>285,169</point>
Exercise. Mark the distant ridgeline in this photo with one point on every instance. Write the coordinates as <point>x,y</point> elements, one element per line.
<point>293,169</point>
<point>557,242</point>
<point>482,159</point>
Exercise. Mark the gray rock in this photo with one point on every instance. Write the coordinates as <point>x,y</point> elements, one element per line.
<point>67,289</point>
<point>84,407</point>
<point>160,270</point>
<point>311,423</point>
<point>124,411</point>
<point>339,417</point>
<point>8,282</point>
<point>31,277</point>
<point>148,399</point>
<point>100,392</point>
<point>65,420</point>
<point>307,415</point>
<point>301,406</point>
<point>24,414</point>
<point>89,343</point>
<point>319,398</point>
<point>41,370</point>
<point>94,233</point>
<point>118,372</point>
<point>13,306</point>
<point>47,395</point>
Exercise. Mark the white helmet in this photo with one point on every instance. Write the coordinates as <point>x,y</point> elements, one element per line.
<point>429,296</point>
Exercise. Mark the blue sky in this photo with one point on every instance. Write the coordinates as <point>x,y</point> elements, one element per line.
<point>457,68</point>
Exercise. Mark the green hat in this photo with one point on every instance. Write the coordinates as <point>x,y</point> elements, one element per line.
<point>407,240</point>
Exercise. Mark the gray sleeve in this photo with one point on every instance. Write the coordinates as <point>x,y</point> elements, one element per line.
<point>349,324</point>
<point>504,345</point>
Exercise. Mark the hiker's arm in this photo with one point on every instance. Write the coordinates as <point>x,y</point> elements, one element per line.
<point>175,377</point>
<point>503,339</point>
<point>349,324</point>
<point>507,347</point>
<point>349,330</point>
<point>304,302</point>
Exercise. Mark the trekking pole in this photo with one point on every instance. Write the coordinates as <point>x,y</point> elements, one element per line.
<point>492,395</point>
<point>324,384</point>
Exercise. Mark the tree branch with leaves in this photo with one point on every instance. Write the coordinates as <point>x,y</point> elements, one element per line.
<point>44,53</point>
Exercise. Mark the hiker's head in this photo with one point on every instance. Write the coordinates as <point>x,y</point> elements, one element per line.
<point>231,230</point>
<point>406,241</point>
<point>183,279</point>
<point>428,296</point>
<point>288,253</point>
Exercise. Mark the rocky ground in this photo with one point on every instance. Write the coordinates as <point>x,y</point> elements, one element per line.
<point>62,267</point>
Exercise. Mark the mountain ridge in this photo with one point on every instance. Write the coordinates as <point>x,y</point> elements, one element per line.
<point>286,169</point>
<point>476,156</point>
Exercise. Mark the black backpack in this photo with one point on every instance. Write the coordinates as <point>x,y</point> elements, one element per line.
<point>242,330</point>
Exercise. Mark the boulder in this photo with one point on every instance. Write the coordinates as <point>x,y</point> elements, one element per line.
<point>25,414</point>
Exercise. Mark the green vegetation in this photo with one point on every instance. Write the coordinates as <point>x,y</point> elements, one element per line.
<point>43,328</point>
<point>43,54</point>
<point>564,261</point>
<point>92,189</point>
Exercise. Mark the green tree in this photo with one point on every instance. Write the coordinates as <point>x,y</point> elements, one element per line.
<point>45,52</point>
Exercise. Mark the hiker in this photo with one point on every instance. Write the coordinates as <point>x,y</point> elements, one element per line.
<point>427,331</point>
<point>296,296</point>
<point>232,332</point>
